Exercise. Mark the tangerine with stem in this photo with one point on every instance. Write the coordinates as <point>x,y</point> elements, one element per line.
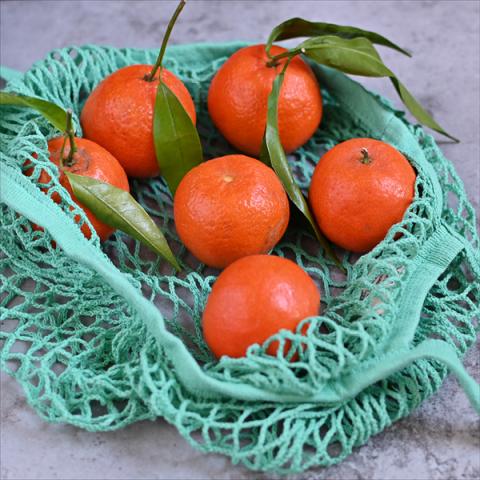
<point>359,190</point>
<point>118,114</point>
<point>83,157</point>
<point>238,97</point>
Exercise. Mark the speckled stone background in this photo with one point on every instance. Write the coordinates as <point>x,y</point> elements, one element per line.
<point>441,439</point>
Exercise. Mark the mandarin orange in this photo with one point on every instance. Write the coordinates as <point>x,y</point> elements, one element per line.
<point>118,115</point>
<point>230,207</point>
<point>360,188</point>
<point>254,298</point>
<point>90,160</point>
<point>238,95</point>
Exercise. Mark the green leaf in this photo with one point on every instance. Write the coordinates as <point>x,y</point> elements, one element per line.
<point>119,209</point>
<point>359,57</point>
<point>298,27</point>
<point>177,144</point>
<point>264,156</point>
<point>51,112</point>
<point>417,110</point>
<point>360,44</point>
<point>275,155</point>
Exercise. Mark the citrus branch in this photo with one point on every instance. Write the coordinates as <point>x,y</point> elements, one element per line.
<point>171,23</point>
<point>70,135</point>
<point>288,54</point>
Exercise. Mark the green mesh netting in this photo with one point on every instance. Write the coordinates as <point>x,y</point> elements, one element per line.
<point>103,336</point>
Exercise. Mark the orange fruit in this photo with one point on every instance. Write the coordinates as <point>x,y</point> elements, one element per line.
<point>254,298</point>
<point>118,115</point>
<point>90,160</point>
<point>230,207</point>
<point>238,95</point>
<point>359,189</point>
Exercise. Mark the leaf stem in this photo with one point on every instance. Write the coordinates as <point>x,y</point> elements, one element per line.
<point>70,134</point>
<point>288,54</point>
<point>60,160</point>
<point>171,23</point>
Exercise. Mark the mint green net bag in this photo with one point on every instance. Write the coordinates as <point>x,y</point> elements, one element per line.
<point>100,337</point>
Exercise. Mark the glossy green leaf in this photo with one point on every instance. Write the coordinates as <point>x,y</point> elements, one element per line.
<point>274,155</point>
<point>119,209</point>
<point>177,144</point>
<point>357,56</point>
<point>360,44</point>
<point>298,27</point>
<point>51,112</point>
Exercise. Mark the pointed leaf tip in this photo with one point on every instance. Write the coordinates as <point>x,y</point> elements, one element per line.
<point>358,56</point>
<point>299,27</point>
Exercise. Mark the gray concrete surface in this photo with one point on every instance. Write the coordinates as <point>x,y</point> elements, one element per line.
<point>441,439</point>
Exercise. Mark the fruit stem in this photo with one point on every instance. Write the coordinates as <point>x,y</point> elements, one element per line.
<point>171,23</point>
<point>366,159</point>
<point>60,160</point>
<point>70,135</point>
<point>289,53</point>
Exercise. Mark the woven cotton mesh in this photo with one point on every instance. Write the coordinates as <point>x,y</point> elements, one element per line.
<point>83,355</point>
